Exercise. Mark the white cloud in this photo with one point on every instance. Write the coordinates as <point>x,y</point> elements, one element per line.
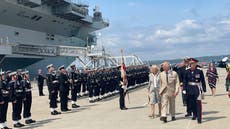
<point>176,41</point>
<point>226,21</point>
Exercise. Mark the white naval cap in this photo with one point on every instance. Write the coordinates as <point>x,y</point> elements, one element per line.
<point>50,65</point>
<point>2,73</point>
<point>25,72</point>
<point>13,73</point>
<point>61,67</point>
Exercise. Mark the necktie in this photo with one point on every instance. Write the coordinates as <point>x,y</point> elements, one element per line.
<point>167,79</point>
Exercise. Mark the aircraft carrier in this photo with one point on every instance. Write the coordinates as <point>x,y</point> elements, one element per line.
<point>40,32</point>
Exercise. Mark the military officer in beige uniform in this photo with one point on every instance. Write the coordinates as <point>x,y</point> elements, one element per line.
<point>169,89</point>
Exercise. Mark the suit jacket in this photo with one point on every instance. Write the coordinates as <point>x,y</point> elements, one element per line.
<point>171,86</point>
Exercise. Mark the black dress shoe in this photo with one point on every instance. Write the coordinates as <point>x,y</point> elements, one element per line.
<point>75,106</point>
<point>193,118</point>
<point>165,119</point>
<point>54,113</point>
<point>161,118</point>
<point>18,125</point>
<point>30,121</point>
<point>57,112</point>
<point>91,101</point>
<point>173,118</point>
<point>199,122</point>
<point>188,114</point>
<point>124,108</point>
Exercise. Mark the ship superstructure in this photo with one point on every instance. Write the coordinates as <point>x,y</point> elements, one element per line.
<point>33,29</point>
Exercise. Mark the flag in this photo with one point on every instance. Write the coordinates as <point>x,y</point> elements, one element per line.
<point>123,69</point>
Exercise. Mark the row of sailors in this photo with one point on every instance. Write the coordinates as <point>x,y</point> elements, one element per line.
<point>98,83</point>
<point>15,87</point>
<point>103,83</point>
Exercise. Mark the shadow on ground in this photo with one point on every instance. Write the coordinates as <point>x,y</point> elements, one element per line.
<point>208,119</point>
<point>40,123</point>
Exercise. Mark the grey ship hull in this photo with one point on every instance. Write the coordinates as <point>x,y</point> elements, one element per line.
<point>13,62</point>
<point>45,23</point>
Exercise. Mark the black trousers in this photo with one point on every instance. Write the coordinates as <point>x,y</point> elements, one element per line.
<point>27,105</point>
<point>84,87</point>
<point>107,84</point>
<point>188,103</point>
<point>96,90</point>
<point>3,110</point>
<point>78,87</point>
<point>122,98</point>
<point>102,90</point>
<point>64,100</point>
<point>196,106</point>
<point>17,109</point>
<point>74,93</point>
<point>53,98</point>
<point>91,90</point>
<point>40,88</point>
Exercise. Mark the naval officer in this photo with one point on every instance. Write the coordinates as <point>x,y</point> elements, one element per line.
<point>5,91</point>
<point>16,98</point>
<point>181,73</point>
<point>27,101</point>
<point>53,87</point>
<point>194,84</point>
<point>75,84</point>
<point>64,88</point>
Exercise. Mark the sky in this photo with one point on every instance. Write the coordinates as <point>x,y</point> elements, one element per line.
<point>165,29</point>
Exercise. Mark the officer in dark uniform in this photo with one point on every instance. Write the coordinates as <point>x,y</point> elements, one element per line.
<point>16,98</point>
<point>91,83</point>
<point>75,84</point>
<point>19,75</point>
<point>97,86</point>
<point>8,78</point>
<point>181,73</point>
<point>40,79</point>
<point>103,83</point>
<point>84,82</point>
<point>107,82</point>
<point>4,99</point>
<point>53,87</point>
<point>27,101</point>
<point>64,88</point>
<point>194,84</point>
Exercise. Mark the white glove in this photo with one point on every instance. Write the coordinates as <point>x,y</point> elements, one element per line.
<point>184,91</point>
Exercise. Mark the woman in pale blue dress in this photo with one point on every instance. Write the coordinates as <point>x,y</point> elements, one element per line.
<point>153,90</point>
